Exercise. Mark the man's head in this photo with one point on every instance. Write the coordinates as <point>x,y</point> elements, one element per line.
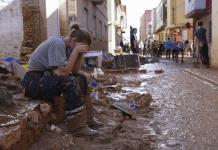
<point>200,23</point>
<point>78,35</point>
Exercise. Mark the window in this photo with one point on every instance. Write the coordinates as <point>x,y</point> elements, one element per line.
<point>106,32</point>
<point>210,31</point>
<point>100,32</point>
<point>86,18</point>
<point>95,27</point>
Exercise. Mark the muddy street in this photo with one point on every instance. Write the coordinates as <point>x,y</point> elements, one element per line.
<point>182,115</point>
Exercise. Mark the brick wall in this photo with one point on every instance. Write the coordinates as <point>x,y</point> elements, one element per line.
<point>34,22</point>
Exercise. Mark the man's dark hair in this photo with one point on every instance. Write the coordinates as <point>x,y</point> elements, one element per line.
<point>200,23</point>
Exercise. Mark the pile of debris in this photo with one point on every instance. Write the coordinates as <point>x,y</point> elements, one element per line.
<point>25,53</point>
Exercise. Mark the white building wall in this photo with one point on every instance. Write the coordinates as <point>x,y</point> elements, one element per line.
<point>111,26</point>
<point>11,25</point>
<point>52,14</point>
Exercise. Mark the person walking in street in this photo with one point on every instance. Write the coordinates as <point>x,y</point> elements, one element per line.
<point>154,47</point>
<point>168,47</point>
<point>201,43</point>
<point>181,48</point>
<point>174,48</point>
<point>53,71</point>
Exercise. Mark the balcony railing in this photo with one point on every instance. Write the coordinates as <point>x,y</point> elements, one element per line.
<point>194,8</point>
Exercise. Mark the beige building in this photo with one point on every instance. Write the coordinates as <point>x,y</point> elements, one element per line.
<point>214,50</point>
<point>117,23</point>
<point>91,15</point>
<point>178,26</point>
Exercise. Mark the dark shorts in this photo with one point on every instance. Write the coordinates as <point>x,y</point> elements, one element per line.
<point>41,87</point>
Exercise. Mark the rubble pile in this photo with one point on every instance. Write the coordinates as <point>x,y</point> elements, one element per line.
<point>25,54</point>
<point>23,120</point>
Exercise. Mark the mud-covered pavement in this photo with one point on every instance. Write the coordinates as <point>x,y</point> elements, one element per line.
<point>182,115</point>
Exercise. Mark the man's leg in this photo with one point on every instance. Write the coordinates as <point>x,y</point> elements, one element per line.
<point>91,120</point>
<point>182,51</point>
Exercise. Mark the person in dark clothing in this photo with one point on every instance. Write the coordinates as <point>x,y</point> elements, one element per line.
<point>201,43</point>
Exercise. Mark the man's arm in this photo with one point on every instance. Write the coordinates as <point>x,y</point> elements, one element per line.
<point>65,70</point>
<point>78,63</point>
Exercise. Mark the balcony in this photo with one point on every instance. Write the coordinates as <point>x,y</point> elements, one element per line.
<point>194,8</point>
<point>97,2</point>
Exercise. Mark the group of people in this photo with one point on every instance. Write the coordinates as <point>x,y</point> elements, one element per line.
<point>175,47</point>
<point>54,71</point>
<point>155,48</point>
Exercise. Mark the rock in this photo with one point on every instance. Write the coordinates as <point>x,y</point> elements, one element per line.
<point>5,98</point>
<point>44,109</point>
<point>34,119</point>
<point>10,84</point>
<point>143,71</point>
<point>144,100</point>
<point>56,129</point>
<point>9,136</point>
<point>3,69</point>
<point>158,71</point>
<point>26,50</point>
<point>18,70</point>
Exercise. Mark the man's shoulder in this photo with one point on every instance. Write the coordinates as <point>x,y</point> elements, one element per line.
<point>55,40</point>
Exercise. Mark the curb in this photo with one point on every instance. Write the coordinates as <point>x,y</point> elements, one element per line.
<point>214,83</point>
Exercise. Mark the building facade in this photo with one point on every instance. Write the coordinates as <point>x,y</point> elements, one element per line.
<point>178,26</point>
<point>214,49</point>
<point>153,23</point>
<point>201,10</point>
<point>145,21</point>
<point>161,20</point>
<point>90,15</point>
<point>25,24</point>
<point>117,23</point>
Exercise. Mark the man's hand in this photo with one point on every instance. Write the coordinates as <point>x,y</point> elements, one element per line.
<point>82,47</point>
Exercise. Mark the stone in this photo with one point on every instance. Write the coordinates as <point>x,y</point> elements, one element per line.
<point>9,136</point>
<point>158,71</point>
<point>45,109</point>
<point>144,100</point>
<point>34,118</point>
<point>5,98</point>
<point>3,69</point>
<point>26,51</point>
<point>56,129</point>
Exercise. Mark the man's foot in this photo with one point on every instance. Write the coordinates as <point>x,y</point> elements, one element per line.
<point>85,131</point>
<point>95,123</point>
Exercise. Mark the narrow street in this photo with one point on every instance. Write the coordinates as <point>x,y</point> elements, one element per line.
<point>181,116</point>
<point>108,75</point>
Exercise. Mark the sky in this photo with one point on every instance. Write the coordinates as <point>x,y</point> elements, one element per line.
<point>135,9</point>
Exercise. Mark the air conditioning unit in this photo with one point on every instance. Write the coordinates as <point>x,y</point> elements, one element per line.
<point>97,2</point>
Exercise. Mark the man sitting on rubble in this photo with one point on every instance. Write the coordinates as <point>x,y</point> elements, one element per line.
<point>53,71</point>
